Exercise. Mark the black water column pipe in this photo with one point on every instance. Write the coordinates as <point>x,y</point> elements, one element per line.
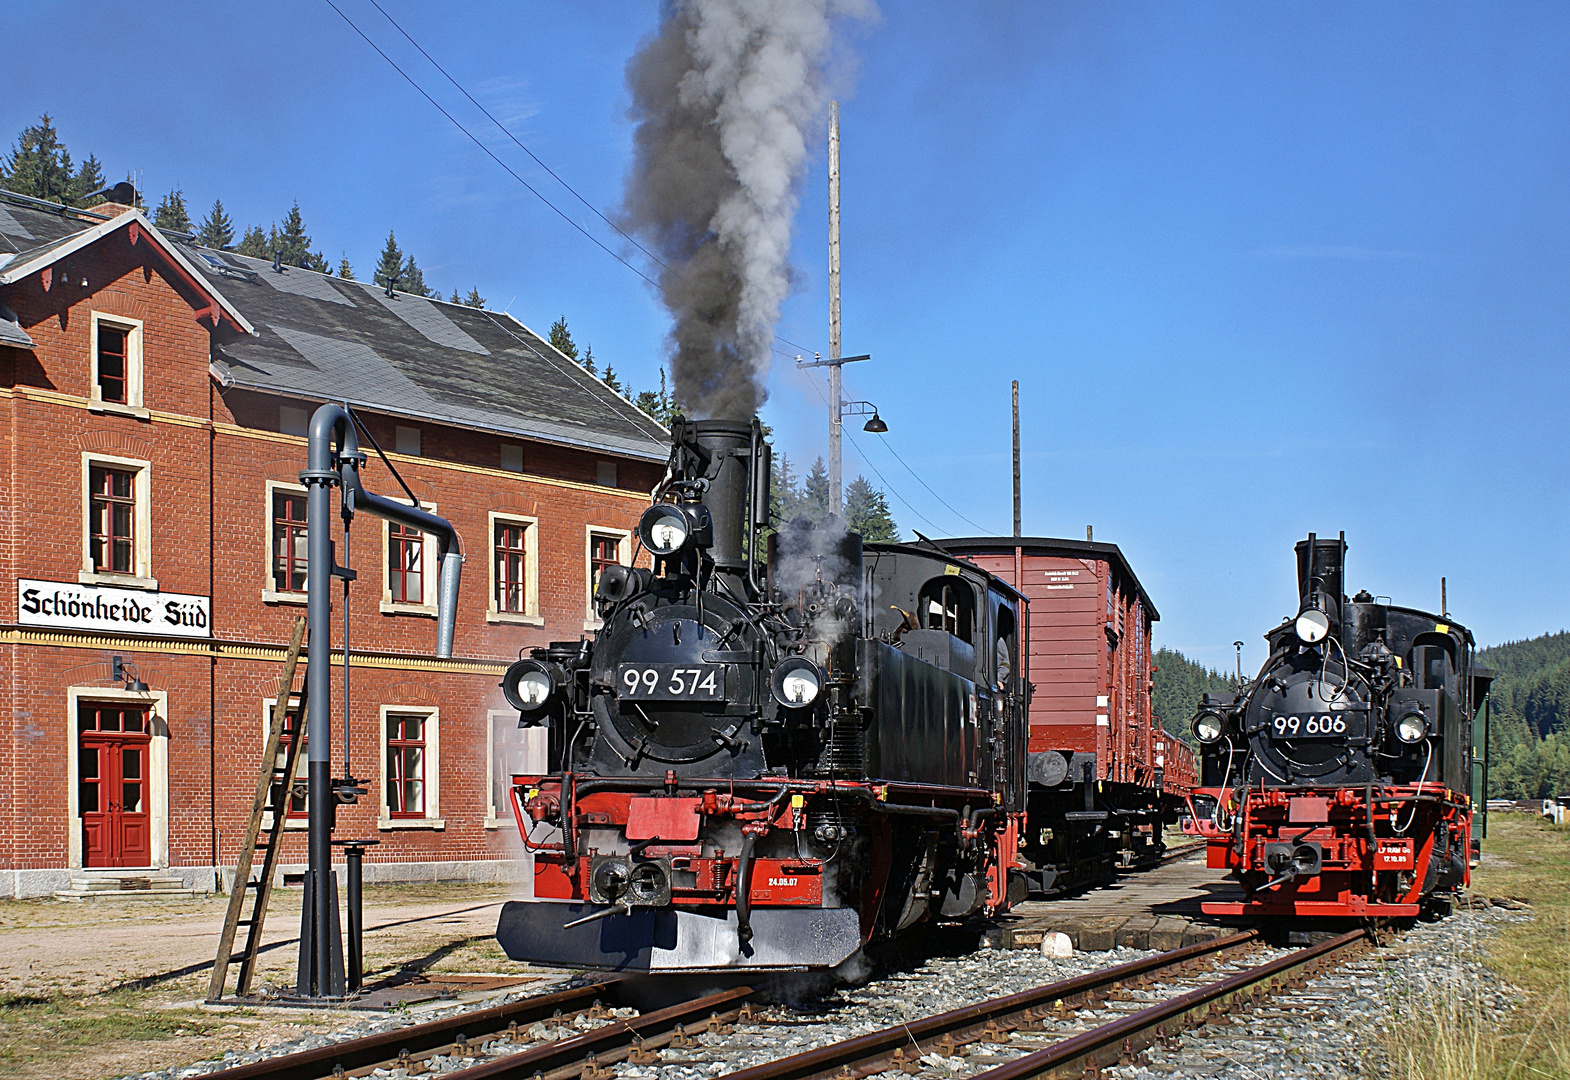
<point>333,460</point>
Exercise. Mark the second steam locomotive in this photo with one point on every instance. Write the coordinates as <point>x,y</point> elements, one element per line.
<point>767,768</point>
<point>1342,781</point>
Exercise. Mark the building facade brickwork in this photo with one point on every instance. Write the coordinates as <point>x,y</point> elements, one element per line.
<point>163,489</point>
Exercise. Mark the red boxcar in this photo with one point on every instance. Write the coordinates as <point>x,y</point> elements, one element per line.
<point>1103,772</point>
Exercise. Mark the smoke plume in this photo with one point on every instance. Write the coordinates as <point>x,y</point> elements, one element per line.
<point>723,97</point>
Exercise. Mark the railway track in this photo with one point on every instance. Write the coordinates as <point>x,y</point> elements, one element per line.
<point>572,1035</point>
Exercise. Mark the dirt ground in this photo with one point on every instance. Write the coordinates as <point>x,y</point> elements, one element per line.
<point>106,987</point>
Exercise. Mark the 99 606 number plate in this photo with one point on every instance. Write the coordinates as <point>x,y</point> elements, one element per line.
<point>1331,725</point>
<point>671,682</point>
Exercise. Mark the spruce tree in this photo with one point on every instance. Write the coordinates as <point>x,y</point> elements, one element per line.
<point>867,512</point>
<point>785,490</point>
<point>414,280</point>
<point>390,269</point>
<point>39,165</point>
<point>254,244</point>
<point>172,214</point>
<point>216,230</point>
<point>657,403</point>
<point>293,245</point>
<point>346,271</point>
<point>89,178</point>
<point>610,379</point>
<point>815,492</point>
<point>474,299</point>
<point>455,298</point>
<point>561,338</point>
<point>588,360</point>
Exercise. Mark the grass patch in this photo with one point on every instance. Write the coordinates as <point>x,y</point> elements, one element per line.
<point>39,1030</point>
<point>1528,859</point>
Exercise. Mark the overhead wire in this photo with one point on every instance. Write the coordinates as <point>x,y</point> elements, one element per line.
<point>488,153</point>
<point>590,236</point>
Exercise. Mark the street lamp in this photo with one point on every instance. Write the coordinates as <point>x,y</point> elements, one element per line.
<point>862,408</point>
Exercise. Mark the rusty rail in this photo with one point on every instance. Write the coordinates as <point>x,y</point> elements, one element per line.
<point>898,1047</point>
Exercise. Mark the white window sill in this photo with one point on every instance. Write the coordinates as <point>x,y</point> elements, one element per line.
<point>294,824</point>
<point>117,409</point>
<point>424,610</point>
<point>514,617</point>
<point>390,823</point>
<point>124,581</point>
<point>495,823</point>
<point>593,624</point>
<point>271,597</point>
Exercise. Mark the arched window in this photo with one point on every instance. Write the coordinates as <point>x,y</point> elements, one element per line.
<point>946,603</point>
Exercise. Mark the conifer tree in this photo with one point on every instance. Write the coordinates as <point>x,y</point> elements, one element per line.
<point>588,360</point>
<point>474,299</point>
<point>254,244</point>
<point>89,178</point>
<point>293,245</point>
<point>867,512</point>
<point>561,338</point>
<point>40,165</point>
<point>785,492</point>
<point>815,492</point>
<point>216,230</point>
<point>610,379</point>
<point>390,269</point>
<point>346,271</point>
<point>657,403</point>
<point>172,214</point>
<point>414,280</point>
<point>455,298</point>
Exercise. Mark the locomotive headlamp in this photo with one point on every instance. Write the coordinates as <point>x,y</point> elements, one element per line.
<point>797,681</point>
<point>1208,727</point>
<point>664,529</point>
<point>529,684</point>
<point>1312,626</point>
<point>1411,726</point>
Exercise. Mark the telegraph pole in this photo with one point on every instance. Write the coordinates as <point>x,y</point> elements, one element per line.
<point>834,308</point>
<point>1019,551</point>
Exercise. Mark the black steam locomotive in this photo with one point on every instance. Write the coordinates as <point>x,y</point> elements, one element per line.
<point>1342,781</point>
<point>764,764</point>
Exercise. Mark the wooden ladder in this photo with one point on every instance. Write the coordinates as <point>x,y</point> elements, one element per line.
<point>285,737</point>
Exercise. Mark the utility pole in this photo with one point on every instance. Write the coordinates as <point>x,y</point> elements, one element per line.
<point>834,309</point>
<point>1019,551</point>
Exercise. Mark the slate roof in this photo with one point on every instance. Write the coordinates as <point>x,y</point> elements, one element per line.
<point>326,339</point>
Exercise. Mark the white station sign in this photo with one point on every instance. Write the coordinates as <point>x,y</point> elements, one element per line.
<point>64,606</point>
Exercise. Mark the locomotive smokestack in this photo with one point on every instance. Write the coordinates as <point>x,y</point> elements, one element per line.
<point>727,443</point>
<point>1319,568</point>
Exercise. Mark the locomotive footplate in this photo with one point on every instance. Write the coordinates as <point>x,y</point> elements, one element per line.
<point>670,940</point>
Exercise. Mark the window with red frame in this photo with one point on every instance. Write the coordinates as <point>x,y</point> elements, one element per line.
<point>512,539</point>
<point>405,564</point>
<point>112,363</point>
<point>603,551</point>
<point>112,529</point>
<point>406,765</point>
<point>289,542</point>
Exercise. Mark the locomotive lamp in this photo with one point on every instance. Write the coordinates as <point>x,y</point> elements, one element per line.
<point>1411,725</point>
<point>797,681</point>
<point>1313,622</point>
<point>529,684</point>
<point>666,528</point>
<point>1208,726</point>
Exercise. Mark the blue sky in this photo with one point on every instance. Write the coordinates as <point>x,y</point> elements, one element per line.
<point>1260,269</point>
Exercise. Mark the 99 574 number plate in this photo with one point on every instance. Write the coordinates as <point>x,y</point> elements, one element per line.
<point>671,682</point>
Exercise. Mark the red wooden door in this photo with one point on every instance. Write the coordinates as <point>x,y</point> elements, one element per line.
<point>113,791</point>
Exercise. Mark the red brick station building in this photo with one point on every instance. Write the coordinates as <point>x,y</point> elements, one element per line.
<point>155,396</point>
